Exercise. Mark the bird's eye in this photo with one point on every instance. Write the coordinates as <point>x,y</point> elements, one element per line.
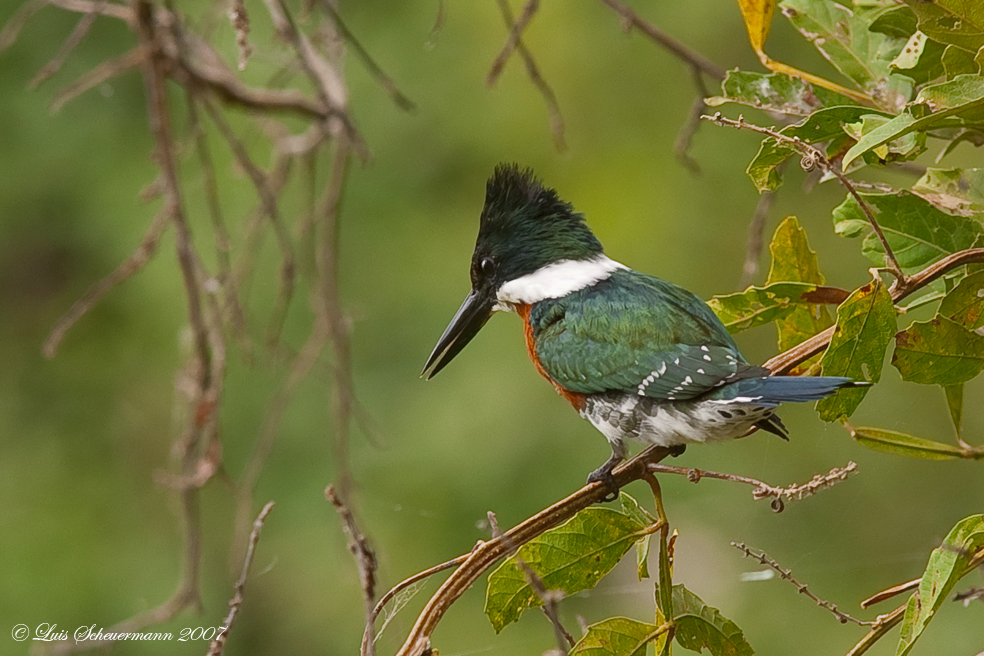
<point>488,266</point>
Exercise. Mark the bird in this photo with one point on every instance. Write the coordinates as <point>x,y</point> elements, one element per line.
<point>639,357</point>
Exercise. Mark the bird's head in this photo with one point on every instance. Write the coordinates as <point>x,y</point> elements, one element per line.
<point>525,228</point>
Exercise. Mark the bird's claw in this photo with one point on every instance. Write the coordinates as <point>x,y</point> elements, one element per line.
<point>677,450</point>
<point>604,476</point>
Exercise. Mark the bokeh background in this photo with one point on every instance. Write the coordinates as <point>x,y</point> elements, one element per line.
<point>87,537</point>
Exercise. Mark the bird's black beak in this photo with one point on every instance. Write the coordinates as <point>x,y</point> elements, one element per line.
<point>467,321</point>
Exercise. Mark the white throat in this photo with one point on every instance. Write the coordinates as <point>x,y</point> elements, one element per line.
<point>555,280</point>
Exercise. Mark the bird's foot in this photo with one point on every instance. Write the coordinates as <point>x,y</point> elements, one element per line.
<point>604,476</point>
<point>677,450</point>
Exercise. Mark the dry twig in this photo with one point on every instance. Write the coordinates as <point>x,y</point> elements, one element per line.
<point>218,644</point>
<point>515,42</point>
<point>365,557</point>
<point>787,575</point>
<point>764,490</point>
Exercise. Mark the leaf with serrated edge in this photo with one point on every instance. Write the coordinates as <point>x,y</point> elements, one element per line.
<point>865,324</point>
<point>947,565</point>
<point>775,92</point>
<point>938,352</point>
<point>757,306</point>
<point>616,636</point>
<point>902,444</point>
<point>572,557</point>
<point>917,232</point>
<point>699,626</point>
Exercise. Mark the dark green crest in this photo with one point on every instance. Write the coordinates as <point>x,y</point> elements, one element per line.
<point>526,226</point>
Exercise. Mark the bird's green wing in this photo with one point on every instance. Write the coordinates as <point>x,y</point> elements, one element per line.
<point>638,334</point>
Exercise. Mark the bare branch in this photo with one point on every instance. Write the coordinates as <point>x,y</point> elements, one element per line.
<point>218,644</point>
<point>532,70</point>
<point>107,70</point>
<point>756,239</point>
<point>384,80</point>
<point>683,53</point>
<point>814,157</point>
<point>516,30</point>
<point>240,23</point>
<point>13,26</point>
<point>78,33</point>
<point>129,266</point>
<point>365,558</point>
<point>787,575</point>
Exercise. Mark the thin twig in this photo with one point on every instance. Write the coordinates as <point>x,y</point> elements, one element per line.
<point>107,70</point>
<point>75,38</point>
<point>365,557</point>
<point>532,70</point>
<point>516,30</point>
<point>787,575</point>
<point>129,266</point>
<point>756,239</point>
<point>893,591</point>
<point>218,644</point>
<point>681,147</point>
<point>550,598</point>
<point>384,80</point>
<point>764,490</point>
<point>813,157</point>
<point>677,49</point>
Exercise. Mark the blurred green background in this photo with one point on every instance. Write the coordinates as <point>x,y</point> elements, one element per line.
<point>87,537</point>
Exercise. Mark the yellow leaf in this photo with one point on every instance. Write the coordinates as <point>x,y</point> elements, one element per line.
<point>758,19</point>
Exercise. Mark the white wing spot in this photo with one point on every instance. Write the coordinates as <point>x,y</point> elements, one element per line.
<point>704,349</point>
<point>677,361</point>
<point>700,371</point>
<point>687,381</point>
<point>707,357</point>
<point>662,369</point>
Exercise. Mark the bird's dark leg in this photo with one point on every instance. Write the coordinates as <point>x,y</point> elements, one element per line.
<point>604,473</point>
<point>677,450</point>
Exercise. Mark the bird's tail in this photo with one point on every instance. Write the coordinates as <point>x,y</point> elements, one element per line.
<point>773,390</point>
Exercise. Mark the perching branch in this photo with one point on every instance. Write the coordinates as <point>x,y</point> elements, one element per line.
<point>813,157</point>
<point>787,575</point>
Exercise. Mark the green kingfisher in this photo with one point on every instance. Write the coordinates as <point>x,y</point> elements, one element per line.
<point>636,356</point>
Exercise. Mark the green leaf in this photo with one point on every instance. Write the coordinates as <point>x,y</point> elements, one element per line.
<point>957,22</point>
<point>938,352</point>
<point>793,260</point>
<point>699,626</point>
<point>843,38</point>
<point>958,96</point>
<point>617,636</point>
<point>572,557</point>
<point>947,564</point>
<point>865,324</point>
<point>632,508</point>
<point>757,306</point>
<point>775,92</point>
<point>955,191</point>
<point>888,131</point>
<point>901,444</point>
<point>917,232</point>
<point>822,125</point>
<point>957,61</point>
<point>965,302</point>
